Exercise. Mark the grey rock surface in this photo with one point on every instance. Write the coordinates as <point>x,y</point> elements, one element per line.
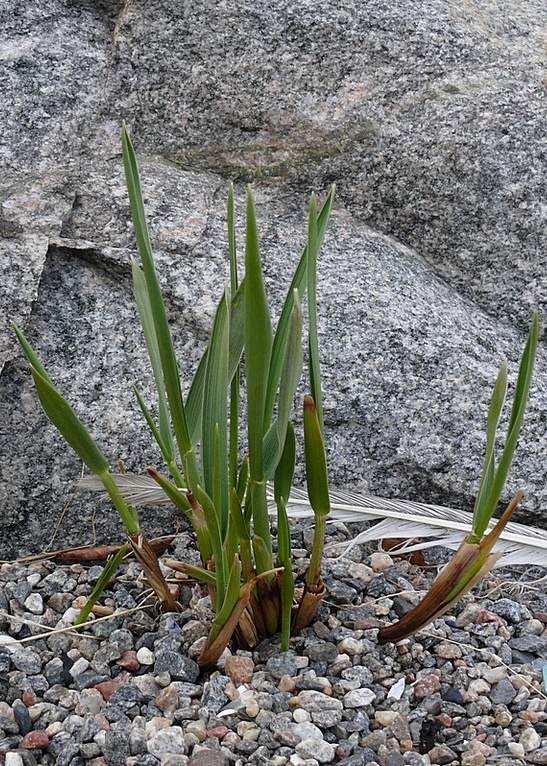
<point>431,120</point>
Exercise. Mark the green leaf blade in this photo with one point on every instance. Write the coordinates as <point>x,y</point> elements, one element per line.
<point>151,339</point>
<point>520,401</point>
<point>163,333</point>
<point>258,343</point>
<point>215,413</point>
<point>299,282</point>
<point>65,420</point>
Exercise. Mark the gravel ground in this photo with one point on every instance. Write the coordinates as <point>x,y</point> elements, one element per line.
<point>127,691</point>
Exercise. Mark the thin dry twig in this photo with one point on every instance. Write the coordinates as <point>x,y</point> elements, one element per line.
<point>68,628</point>
<point>88,553</point>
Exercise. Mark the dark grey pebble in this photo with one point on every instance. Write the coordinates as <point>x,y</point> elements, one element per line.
<point>453,695</point>
<point>147,640</point>
<point>105,628</point>
<point>18,590</point>
<point>59,644</point>
<point>7,744</point>
<point>529,643</point>
<point>357,759</point>
<point>89,750</point>
<point>280,703</point>
<point>171,642</point>
<point>309,681</point>
<point>123,599</point>
<point>340,592</point>
<point>146,760</point>
<point>126,697</point>
<point>282,664</point>
<point>116,748</point>
<point>401,606</point>
<point>208,758</point>
<point>89,678</point>
<point>22,717</point>
<point>5,689</point>
<point>503,693</point>
<point>53,583</point>
<point>5,660</point>
<point>432,704</point>
<point>9,725</point>
<point>511,610</point>
<point>56,671</point>
<point>123,639</point>
<point>267,739</point>
<point>180,668</point>
<point>27,661</point>
<point>379,586</point>
<point>214,695</point>
<point>360,722</point>
<point>108,652</point>
<point>186,689</point>
<point>63,747</point>
<point>38,684</point>
<point>88,730</point>
<point>29,759</point>
<point>246,746</point>
<point>323,651</point>
<point>118,714</point>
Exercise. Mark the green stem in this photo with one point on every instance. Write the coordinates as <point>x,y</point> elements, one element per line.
<point>314,570</point>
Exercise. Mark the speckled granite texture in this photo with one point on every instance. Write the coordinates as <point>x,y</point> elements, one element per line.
<point>429,116</point>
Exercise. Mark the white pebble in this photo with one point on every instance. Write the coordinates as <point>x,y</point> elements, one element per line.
<point>308,730</point>
<point>516,749</point>
<point>361,572</point>
<point>145,656</point>
<point>168,740</point>
<point>13,759</point>
<point>385,717</point>
<point>349,646</point>
<point>359,697</point>
<point>69,616</point>
<point>10,643</point>
<point>79,666</point>
<point>530,739</point>
<point>299,715</point>
<point>380,561</point>
<point>322,751</point>
<point>396,691</point>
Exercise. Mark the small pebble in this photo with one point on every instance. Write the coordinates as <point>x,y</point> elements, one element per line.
<point>239,669</point>
<point>34,740</point>
<point>145,656</point>
<point>34,603</point>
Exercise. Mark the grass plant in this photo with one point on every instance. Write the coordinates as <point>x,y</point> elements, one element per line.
<point>224,493</point>
<point>474,558</point>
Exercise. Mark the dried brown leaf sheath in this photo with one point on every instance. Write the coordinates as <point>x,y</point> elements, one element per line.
<point>468,565</point>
